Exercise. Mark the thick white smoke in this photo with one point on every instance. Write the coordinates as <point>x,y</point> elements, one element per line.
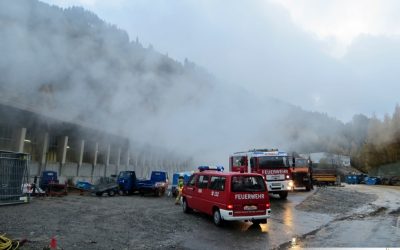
<point>74,66</point>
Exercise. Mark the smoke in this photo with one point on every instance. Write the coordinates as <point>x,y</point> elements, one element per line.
<point>70,64</point>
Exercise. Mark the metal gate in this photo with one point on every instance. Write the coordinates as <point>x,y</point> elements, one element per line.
<point>13,174</point>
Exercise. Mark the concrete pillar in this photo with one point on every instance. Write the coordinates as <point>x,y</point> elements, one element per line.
<point>127,159</point>
<point>108,150</point>
<point>80,157</point>
<point>81,150</point>
<point>62,148</point>
<point>143,167</point>
<point>95,153</point>
<point>62,144</point>
<point>19,139</point>
<point>107,160</point>
<point>135,161</point>
<point>118,160</point>
<point>45,148</point>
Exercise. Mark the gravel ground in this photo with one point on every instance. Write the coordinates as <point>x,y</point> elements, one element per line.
<point>87,222</point>
<point>135,222</point>
<point>335,200</point>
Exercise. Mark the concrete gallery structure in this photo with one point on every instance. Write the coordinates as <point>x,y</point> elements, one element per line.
<point>76,151</point>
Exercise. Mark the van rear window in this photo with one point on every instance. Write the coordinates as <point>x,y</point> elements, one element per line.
<point>248,184</point>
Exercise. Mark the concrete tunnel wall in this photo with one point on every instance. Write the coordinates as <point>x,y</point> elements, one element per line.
<point>76,152</point>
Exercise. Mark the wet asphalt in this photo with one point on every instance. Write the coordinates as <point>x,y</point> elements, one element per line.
<point>376,224</point>
<point>285,224</point>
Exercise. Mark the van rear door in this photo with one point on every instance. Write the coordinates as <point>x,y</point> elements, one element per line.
<point>249,195</point>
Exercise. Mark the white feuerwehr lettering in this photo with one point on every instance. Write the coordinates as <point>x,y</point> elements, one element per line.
<point>248,196</point>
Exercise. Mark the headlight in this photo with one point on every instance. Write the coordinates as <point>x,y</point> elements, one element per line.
<point>290,184</point>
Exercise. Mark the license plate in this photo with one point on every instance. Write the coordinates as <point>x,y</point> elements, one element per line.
<point>250,208</point>
<point>276,184</point>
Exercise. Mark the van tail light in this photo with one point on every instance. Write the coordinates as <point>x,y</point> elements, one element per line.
<point>268,206</point>
<point>230,206</point>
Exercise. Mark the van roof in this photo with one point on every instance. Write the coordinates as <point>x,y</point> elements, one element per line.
<point>217,173</point>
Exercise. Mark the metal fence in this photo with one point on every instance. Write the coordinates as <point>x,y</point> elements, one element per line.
<point>13,174</point>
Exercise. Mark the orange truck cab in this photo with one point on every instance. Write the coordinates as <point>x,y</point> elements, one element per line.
<point>227,196</point>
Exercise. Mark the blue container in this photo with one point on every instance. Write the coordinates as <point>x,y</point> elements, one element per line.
<point>352,179</point>
<point>373,181</point>
<point>84,185</point>
<point>48,177</point>
<point>356,179</point>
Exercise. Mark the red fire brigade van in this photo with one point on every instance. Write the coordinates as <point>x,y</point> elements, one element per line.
<point>227,196</point>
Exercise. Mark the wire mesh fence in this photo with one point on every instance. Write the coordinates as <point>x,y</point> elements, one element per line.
<point>13,174</point>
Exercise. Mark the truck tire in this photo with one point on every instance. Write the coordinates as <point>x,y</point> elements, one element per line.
<point>283,195</point>
<point>111,192</point>
<point>157,192</point>
<point>185,207</point>
<point>217,219</point>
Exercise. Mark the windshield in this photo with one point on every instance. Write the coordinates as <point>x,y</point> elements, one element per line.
<point>248,184</point>
<point>124,174</point>
<point>266,162</point>
<point>301,163</point>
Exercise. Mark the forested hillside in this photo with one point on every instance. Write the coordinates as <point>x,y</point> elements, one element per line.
<point>382,143</point>
<point>54,57</point>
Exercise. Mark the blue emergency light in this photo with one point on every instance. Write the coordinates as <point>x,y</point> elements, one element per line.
<point>216,168</point>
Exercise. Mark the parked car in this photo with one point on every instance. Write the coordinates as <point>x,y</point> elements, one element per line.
<point>105,185</point>
<point>395,181</point>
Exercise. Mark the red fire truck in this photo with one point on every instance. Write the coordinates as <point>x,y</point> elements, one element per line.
<point>272,163</point>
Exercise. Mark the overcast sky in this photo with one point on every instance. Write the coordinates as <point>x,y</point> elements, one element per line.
<point>339,57</point>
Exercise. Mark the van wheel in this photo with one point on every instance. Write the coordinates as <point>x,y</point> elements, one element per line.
<point>283,195</point>
<point>185,207</point>
<point>217,218</point>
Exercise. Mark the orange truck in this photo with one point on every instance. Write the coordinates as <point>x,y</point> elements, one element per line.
<point>302,174</point>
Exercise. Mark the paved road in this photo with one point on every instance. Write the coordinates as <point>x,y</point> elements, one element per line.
<point>285,224</point>
<point>372,225</point>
